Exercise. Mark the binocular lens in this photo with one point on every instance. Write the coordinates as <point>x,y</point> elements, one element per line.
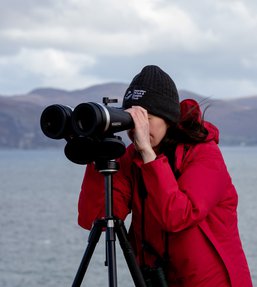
<point>89,118</point>
<point>55,121</point>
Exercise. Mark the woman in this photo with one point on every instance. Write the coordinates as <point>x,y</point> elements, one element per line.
<point>175,182</point>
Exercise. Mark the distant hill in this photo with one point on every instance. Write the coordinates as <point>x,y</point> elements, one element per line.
<point>20,114</point>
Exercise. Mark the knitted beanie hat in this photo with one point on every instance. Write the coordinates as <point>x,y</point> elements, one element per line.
<point>155,91</point>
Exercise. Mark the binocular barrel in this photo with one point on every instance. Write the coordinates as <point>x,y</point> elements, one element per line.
<point>96,119</point>
<point>87,119</point>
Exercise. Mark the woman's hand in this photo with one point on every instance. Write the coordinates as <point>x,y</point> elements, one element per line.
<point>140,135</point>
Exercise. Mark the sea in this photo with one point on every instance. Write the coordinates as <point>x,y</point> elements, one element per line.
<point>41,243</point>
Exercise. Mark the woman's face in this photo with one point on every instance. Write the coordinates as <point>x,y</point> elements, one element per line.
<point>157,130</point>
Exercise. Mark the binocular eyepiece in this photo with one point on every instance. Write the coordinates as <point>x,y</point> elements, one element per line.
<point>87,128</point>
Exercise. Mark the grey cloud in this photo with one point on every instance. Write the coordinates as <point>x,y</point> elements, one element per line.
<point>205,45</point>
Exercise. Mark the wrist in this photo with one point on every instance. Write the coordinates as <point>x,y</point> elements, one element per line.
<point>148,155</point>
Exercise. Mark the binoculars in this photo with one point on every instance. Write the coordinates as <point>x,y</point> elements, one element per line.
<point>88,129</point>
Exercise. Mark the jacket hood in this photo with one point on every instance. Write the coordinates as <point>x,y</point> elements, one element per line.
<point>190,110</point>
<point>213,132</point>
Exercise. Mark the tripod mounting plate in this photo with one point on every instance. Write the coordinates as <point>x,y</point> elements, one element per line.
<point>83,150</point>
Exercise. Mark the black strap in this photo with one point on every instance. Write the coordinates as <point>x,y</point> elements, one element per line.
<point>142,195</point>
<point>146,246</point>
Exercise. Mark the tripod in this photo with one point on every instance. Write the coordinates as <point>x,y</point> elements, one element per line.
<point>113,226</point>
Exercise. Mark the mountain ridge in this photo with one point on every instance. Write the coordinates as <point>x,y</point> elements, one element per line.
<point>20,114</point>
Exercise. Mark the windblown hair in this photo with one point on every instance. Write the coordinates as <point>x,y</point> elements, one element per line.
<point>189,130</point>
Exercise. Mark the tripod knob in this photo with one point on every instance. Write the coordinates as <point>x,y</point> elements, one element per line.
<point>107,166</point>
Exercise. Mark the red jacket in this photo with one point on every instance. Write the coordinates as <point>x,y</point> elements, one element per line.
<point>197,211</point>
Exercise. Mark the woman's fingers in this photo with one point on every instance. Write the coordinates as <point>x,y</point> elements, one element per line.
<point>140,134</point>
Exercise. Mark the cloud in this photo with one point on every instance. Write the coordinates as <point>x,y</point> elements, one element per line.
<point>140,28</point>
<point>69,43</point>
<point>50,67</point>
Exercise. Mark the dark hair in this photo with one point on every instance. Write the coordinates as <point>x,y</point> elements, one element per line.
<point>190,130</point>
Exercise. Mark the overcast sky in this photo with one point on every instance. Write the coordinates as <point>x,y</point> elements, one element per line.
<point>208,47</point>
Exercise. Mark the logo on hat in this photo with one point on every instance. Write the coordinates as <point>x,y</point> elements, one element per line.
<point>134,95</point>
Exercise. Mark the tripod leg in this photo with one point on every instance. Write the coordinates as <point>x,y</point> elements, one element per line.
<point>92,241</point>
<point>129,254</point>
<point>111,253</point>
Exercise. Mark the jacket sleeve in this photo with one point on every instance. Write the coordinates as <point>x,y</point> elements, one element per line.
<point>91,198</point>
<point>91,205</point>
<point>180,204</point>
